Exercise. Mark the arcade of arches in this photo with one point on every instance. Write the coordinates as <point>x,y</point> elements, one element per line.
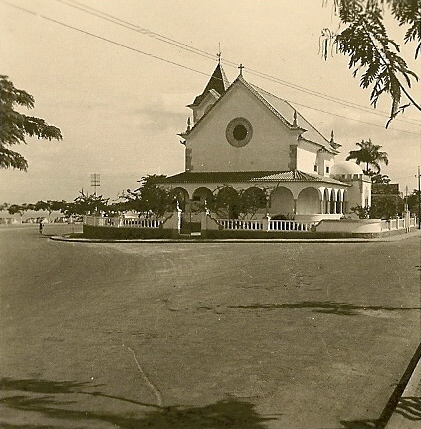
<point>278,200</point>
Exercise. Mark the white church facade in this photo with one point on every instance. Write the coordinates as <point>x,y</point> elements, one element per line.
<point>244,138</point>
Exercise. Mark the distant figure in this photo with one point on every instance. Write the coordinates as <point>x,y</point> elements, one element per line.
<point>41,227</point>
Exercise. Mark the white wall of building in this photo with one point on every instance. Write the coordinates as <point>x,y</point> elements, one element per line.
<point>306,159</point>
<point>269,148</point>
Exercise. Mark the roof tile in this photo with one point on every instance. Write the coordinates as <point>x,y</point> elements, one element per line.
<point>225,177</point>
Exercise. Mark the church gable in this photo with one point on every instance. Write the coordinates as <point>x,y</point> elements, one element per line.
<point>240,133</point>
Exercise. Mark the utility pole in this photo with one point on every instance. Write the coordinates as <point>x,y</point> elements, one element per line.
<point>419,198</point>
<point>95,181</point>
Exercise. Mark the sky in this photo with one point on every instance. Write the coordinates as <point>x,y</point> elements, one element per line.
<point>119,94</point>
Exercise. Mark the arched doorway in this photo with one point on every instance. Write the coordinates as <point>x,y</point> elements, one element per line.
<point>252,200</point>
<point>202,198</point>
<point>226,202</point>
<point>308,201</point>
<point>281,202</point>
<point>333,201</point>
<point>326,201</point>
<point>181,197</point>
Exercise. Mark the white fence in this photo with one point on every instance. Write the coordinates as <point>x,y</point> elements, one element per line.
<point>290,225</point>
<point>141,223</point>
<point>398,223</point>
<point>237,224</point>
<point>265,225</point>
<point>120,222</point>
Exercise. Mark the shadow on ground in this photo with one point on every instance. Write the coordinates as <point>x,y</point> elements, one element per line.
<point>410,407</point>
<point>360,424</point>
<point>332,307</point>
<point>223,414</point>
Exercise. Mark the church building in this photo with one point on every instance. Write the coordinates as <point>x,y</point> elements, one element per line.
<point>245,139</point>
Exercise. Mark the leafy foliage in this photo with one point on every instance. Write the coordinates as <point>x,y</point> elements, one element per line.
<point>227,202</point>
<point>370,155</point>
<point>50,205</point>
<point>380,178</point>
<point>361,212</point>
<point>252,199</point>
<point>15,126</point>
<point>15,209</point>
<point>384,207</point>
<point>150,198</point>
<point>413,201</point>
<point>366,41</point>
<point>87,204</point>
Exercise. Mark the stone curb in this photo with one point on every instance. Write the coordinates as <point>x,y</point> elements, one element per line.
<point>397,237</point>
<point>407,413</point>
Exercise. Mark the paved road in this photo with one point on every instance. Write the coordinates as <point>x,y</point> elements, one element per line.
<point>190,335</point>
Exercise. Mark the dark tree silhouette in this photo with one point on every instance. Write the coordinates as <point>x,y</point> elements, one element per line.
<point>370,155</point>
<point>15,126</point>
<point>365,40</point>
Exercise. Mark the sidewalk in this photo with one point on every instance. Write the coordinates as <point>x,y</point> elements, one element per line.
<point>397,237</point>
<point>407,414</point>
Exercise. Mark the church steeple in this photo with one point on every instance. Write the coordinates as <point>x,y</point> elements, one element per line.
<point>215,88</point>
<point>218,82</point>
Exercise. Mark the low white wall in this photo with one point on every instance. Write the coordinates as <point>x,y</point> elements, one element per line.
<point>350,225</point>
<point>316,217</point>
<point>62,228</point>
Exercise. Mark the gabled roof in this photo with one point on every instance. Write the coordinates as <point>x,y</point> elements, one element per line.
<point>285,111</point>
<point>225,177</point>
<point>217,82</point>
<point>281,108</point>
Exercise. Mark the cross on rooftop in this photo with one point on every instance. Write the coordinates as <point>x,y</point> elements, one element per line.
<point>241,69</point>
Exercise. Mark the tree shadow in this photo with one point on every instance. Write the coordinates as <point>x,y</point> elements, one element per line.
<point>230,413</point>
<point>409,407</point>
<point>330,307</point>
<point>360,424</point>
<point>43,386</point>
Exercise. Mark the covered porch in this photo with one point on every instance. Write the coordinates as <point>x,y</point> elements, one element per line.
<point>292,196</point>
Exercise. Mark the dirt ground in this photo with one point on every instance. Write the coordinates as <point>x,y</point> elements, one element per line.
<point>203,335</point>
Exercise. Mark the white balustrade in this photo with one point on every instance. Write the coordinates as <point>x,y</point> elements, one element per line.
<point>397,223</point>
<point>258,225</point>
<point>120,222</point>
<point>289,225</point>
<point>241,225</point>
<point>384,225</point>
<point>140,223</point>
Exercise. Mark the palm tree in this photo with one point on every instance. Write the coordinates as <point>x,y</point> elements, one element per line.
<point>370,155</point>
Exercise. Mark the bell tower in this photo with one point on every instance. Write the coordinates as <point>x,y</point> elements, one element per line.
<point>215,88</point>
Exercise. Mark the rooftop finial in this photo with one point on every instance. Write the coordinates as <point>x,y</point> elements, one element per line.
<point>241,69</point>
<point>294,124</point>
<point>332,137</point>
<point>219,54</point>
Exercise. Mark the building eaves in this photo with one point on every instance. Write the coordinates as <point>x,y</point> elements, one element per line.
<point>249,177</point>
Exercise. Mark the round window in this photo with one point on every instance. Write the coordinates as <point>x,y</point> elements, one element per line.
<point>239,132</point>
